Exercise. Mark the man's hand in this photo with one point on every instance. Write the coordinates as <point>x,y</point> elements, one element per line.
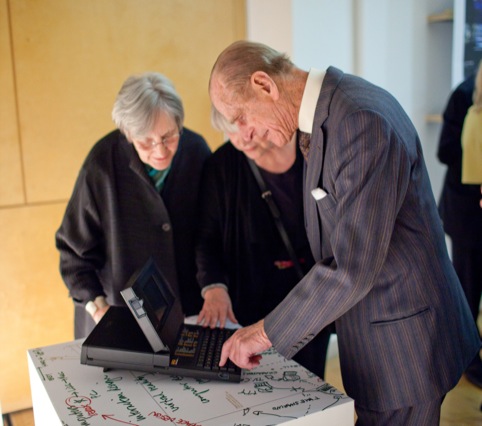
<point>245,345</point>
<point>217,307</point>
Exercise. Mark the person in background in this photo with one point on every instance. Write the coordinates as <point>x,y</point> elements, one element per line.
<point>244,267</point>
<point>382,271</point>
<point>136,197</point>
<point>472,138</point>
<point>461,216</point>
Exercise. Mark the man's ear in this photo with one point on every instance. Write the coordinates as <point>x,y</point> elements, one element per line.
<point>264,85</point>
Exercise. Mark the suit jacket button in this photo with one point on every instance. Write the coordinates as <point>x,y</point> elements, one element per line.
<point>166,227</point>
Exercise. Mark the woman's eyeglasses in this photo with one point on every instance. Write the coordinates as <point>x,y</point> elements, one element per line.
<point>165,141</point>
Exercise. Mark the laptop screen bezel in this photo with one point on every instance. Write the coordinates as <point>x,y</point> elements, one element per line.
<point>150,272</point>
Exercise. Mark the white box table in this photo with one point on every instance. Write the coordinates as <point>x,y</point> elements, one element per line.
<point>279,391</point>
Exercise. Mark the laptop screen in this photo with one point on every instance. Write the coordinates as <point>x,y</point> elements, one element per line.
<point>158,304</point>
<point>154,297</point>
<point>153,302</point>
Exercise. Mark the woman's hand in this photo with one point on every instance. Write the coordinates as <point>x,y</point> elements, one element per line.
<point>99,313</point>
<point>217,307</point>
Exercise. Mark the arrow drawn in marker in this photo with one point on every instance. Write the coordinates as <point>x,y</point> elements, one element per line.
<point>111,417</point>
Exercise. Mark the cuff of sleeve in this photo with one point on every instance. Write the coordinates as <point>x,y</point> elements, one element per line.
<point>92,305</point>
<point>210,286</point>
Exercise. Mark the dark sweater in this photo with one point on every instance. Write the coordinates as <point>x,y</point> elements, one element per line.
<point>239,243</point>
<point>115,220</point>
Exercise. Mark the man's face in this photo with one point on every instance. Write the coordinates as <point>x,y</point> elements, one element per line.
<point>258,117</point>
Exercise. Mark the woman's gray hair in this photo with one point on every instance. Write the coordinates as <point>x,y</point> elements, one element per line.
<point>140,101</point>
<point>221,123</point>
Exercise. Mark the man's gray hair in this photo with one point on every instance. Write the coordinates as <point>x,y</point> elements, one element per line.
<point>140,101</point>
<point>241,59</point>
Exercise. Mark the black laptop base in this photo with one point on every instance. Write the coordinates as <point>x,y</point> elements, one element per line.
<point>118,342</point>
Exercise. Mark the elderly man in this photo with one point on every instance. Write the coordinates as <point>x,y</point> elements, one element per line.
<point>383,274</point>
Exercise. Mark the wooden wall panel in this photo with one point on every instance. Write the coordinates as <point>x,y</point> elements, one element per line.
<point>35,309</point>
<point>11,188</point>
<point>72,56</point>
<point>61,65</point>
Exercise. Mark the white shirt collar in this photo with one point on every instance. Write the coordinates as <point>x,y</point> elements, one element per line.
<point>311,93</point>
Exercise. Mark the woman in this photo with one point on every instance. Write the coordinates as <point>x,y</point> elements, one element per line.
<point>136,197</point>
<point>244,267</point>
<point>471,136</point>
<point>467,247</point>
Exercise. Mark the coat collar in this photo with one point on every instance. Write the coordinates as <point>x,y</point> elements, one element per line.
<point>317,144</point>
<point>314,166</point>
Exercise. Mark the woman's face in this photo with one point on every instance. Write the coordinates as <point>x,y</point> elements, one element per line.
<point>158,147</point>
<point>253,149</point>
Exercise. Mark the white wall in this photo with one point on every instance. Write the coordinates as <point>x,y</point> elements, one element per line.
<point>458,42</point>
<point>388,42</point>
<point>270,22</point>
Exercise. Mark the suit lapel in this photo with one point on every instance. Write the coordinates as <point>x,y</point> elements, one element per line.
<point>314,166</point>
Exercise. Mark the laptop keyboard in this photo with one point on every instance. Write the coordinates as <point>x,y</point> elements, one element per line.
<point>210,349</point>
<point>203,346</point>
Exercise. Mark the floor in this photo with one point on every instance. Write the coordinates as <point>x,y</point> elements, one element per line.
<point>462,406</point>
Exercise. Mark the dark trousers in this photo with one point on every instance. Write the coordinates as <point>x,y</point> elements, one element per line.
<point>467,262</point>
<point>426,414</point>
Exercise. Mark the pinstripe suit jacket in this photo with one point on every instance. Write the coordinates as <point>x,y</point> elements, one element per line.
<point>405,332</point>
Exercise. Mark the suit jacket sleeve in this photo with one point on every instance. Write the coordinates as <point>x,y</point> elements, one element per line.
<point>368,168</point>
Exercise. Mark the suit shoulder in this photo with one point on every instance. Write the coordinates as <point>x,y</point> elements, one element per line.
<point>460,100</point>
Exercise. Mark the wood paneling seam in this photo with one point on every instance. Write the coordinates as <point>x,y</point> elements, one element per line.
<point>17,108</point>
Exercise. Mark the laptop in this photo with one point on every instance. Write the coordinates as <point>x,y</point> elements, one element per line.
<point>149,334</point>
